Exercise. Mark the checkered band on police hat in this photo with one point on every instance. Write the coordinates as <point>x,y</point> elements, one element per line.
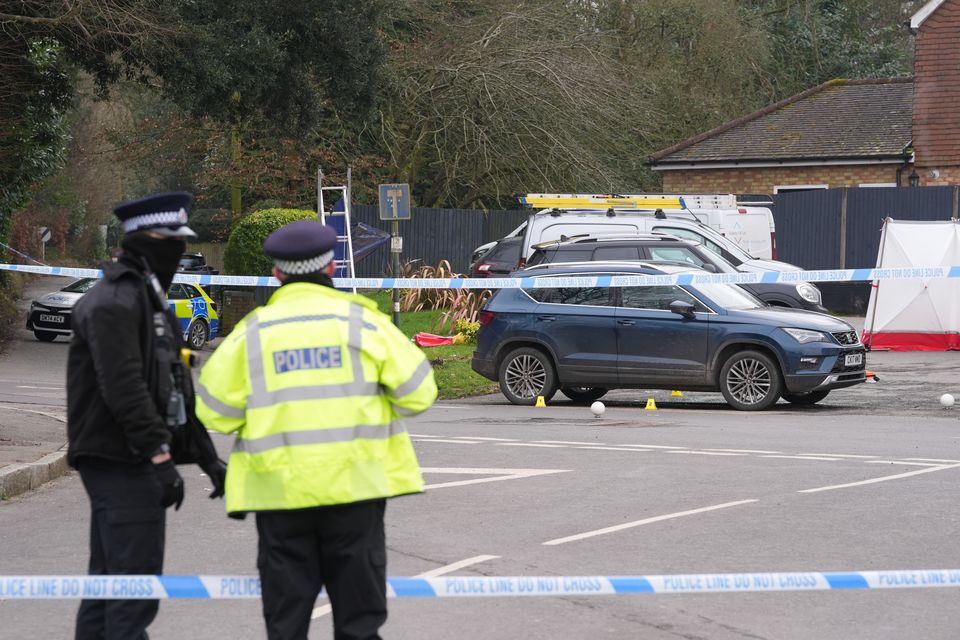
<point>299,267</point>
<point>304,246</point>
<point>158,219</point>
<point>163,213</point>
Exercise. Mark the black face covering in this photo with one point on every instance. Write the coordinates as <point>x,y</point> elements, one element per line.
<point>163,255</point>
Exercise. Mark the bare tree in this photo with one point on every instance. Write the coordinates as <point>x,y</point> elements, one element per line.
<point>506,101</point>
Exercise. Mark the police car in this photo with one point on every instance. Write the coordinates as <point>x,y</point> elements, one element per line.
<point>50,314</point>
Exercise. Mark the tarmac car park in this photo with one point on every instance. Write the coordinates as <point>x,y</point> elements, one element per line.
<point>586,340</point>
<point>50,314</point>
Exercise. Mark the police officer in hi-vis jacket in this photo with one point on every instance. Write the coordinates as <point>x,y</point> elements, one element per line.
<point>314,385</point>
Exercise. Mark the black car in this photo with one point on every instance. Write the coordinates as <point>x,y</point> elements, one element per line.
<point>195,263</point>
<point>589,333</point>
<point>499,260</point>
<point>661,248</point>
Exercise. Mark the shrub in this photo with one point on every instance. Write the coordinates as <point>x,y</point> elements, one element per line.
<point>459,304</point>
<point>244,252</point>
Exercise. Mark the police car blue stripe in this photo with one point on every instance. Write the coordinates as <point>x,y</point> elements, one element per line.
<point>770,276</point>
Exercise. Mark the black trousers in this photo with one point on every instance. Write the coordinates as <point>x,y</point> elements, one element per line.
<point>126,537</point>
<point>342,548</point>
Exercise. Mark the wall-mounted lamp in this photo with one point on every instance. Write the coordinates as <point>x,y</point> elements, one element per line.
<point>913,179</point>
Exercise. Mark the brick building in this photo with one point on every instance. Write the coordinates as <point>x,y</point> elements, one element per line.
<point>843,133</point>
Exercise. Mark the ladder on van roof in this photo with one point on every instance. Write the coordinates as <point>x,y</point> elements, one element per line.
<point>628,201</point>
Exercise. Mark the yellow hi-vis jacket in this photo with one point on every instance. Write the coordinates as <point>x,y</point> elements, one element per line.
<point>314,385</point>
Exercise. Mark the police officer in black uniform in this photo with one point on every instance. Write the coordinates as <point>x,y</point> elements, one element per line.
<point>130,410</point>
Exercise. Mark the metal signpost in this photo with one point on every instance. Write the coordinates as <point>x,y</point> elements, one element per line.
<point>44,239</point>
<point>395,206</point>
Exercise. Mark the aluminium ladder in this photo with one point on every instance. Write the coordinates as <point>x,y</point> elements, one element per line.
<point>339,218</point>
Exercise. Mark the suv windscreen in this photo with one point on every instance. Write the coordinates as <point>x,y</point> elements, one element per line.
<point>504,251</point>
<point>730,296</point>
<point>711,240</point>
<point>80,286</point>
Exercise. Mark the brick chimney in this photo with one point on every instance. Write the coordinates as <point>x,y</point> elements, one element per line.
<point>936,92</point>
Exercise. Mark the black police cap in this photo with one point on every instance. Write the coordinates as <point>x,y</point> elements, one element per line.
<point>304,246</point>
<point>163,213</point>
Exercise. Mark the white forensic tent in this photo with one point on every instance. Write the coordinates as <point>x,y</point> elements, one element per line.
<point>916,314</point>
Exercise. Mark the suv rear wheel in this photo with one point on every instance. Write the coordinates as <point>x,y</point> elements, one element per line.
<point>197,334</point>
<point>750,381</point>
<point>525,374</point>
<point>583,395</point>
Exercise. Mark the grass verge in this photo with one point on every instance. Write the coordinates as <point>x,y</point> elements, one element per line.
<point>451,363</point>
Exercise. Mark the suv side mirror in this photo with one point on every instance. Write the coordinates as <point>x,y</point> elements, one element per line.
<point>711,268</point>
<point>682,308</point>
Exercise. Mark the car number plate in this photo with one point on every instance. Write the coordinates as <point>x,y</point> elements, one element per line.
<point>853,359</point>
<point>44,317</point>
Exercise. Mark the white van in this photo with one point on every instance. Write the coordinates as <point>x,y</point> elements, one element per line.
<point>751,227</point>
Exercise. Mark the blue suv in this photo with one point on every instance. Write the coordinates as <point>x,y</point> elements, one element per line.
<point>705,337</point>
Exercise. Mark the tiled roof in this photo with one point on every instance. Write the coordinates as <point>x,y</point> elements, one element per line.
<point>840,119</point>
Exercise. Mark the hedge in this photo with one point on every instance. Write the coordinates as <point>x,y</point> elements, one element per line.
<point>244,252</point>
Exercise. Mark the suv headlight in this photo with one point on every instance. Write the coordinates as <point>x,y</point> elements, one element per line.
<point>803,336</point>
<point>809,292</point>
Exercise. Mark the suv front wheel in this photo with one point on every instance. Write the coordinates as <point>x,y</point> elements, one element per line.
<point>750,381</point>
<point>525,374</point>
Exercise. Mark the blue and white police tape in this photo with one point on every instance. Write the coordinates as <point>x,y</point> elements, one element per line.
<point>548,282</point>
<point>145,587</point>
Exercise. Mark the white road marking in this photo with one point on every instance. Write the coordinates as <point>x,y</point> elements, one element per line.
<point>744,450</point>
<point>639,523</point>
<point>450,441</point>
<point>490,439</point>
<point>881,479</point>
<point>932,460</point>
<point>838,455</point>
<point>805,458</point>
<point>498,475</point>
<point>60,418</point>
<point>530,444</point>
<point>598,448</point>
<point>451,406</point>
<point>707,453</point>
<point>568,442</point>
<point>23,386</point>
<point>914,464</point>
<point>323,610</point>
<point>423,435</point>
<point>651,446</point>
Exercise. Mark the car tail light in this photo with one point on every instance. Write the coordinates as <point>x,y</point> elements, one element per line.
<point>484,267</point>
<point>485,318</point>
<point>773,245</point>
<point>741,210</point>
<point>521,263</point>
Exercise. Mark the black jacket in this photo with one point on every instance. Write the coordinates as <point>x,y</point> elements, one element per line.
<point>111,409</point>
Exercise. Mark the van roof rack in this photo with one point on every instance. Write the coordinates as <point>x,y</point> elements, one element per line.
<point>639,200</point>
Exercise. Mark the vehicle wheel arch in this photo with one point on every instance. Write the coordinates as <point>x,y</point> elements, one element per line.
<point>507,347</point>
<point>727,350</point>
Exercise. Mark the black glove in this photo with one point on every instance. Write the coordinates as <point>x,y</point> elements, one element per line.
<point>172,484</point>
<point>217,471</point>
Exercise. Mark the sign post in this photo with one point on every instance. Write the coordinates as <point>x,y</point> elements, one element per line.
<point>44,239</point>
<point>395,206</point>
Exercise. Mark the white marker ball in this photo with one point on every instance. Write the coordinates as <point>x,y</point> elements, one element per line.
<point>597,408</point>
<point>946,400</point>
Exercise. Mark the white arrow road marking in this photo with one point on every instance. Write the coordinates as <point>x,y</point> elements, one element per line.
<point>497,475</point>
<point>881,479</point>
<point>640,523</point>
